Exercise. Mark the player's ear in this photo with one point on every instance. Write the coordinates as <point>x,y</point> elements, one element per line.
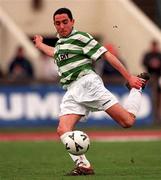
<point>73,21</point>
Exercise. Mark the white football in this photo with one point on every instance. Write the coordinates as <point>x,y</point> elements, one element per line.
<point>77,142</point>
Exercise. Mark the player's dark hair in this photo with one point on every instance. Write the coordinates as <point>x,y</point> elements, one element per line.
<point>63,11</point>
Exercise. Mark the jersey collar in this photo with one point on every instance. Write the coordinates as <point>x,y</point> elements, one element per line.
<point>73,32</point>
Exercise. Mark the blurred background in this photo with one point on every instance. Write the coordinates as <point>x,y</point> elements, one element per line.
<point>30,94</point>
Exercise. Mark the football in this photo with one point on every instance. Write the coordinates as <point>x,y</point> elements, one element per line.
<point>77,142</point>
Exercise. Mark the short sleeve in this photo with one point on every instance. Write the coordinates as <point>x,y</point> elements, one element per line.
<point>93,49</point>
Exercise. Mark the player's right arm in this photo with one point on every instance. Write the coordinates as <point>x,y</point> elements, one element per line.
<point>48,50</point>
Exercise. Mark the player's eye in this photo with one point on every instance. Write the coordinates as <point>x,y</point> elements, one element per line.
<point>65,21</point>
<point>57,23</point>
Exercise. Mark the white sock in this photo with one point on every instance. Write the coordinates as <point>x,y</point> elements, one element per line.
<point>133,101</point>
<point>78,160</point>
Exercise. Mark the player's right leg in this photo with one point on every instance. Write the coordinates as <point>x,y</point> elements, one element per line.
<point>121,115</point>
<point>126,115</point>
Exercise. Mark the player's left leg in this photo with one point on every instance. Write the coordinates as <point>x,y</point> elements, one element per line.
<point>67,124</point>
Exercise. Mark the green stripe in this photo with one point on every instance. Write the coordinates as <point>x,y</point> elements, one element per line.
<point>73,77</point>
<point>76,42</point>
<point>93,50</point>
<point>55,55</point>
<point>74,70</point>
<point>62,51</point>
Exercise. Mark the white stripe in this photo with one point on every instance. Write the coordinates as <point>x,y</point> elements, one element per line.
<point>73,65</point>
<point>89,46</point>
<point>80,37</point>
<point>69,46</point>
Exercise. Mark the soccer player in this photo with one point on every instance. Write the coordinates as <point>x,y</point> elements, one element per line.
<point>73,54</point>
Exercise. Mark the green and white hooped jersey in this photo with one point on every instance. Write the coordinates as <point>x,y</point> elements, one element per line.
<point>74,55</point>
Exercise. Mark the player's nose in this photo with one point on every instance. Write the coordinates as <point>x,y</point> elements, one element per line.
<point>61,25</point>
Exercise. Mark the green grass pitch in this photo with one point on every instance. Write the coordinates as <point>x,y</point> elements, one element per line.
<point>111,160</point>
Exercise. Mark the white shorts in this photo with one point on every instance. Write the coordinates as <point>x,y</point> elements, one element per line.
<point>87,94</point>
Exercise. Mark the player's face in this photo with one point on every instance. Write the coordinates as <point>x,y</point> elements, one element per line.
<point>63,24</point>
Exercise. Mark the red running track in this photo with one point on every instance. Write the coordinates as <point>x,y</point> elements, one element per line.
<point>145,135</point>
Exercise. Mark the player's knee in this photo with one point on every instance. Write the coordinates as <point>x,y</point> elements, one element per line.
<point>127,125</point>
<point>129,122</point>
<point>61,130</point>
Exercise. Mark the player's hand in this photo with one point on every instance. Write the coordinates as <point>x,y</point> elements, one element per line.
<point>136,82</point>
<point>38,39</point>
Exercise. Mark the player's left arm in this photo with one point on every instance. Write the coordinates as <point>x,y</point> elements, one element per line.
<point>134,81</point>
